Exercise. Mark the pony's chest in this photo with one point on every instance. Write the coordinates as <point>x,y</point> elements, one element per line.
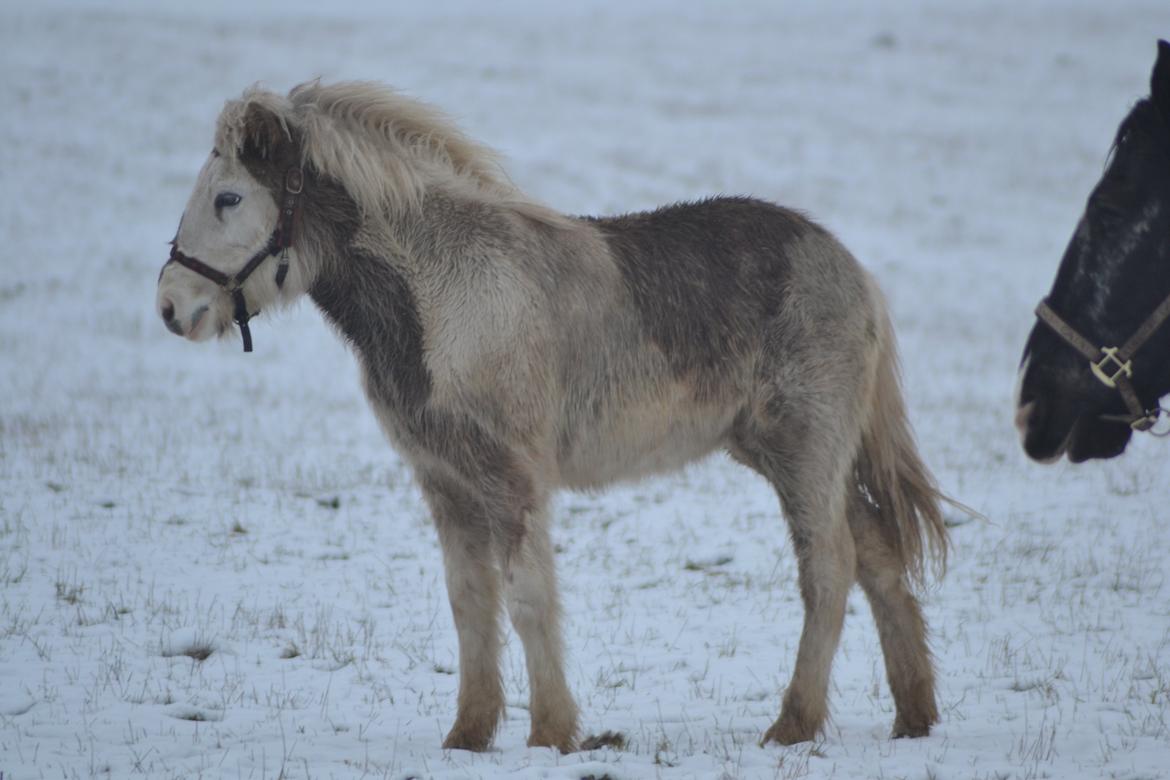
<point>477,332</point>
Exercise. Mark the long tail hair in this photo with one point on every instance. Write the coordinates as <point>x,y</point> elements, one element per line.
<point>890,470</point>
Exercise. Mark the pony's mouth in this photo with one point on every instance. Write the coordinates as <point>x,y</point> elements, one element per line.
<point>196,321</point>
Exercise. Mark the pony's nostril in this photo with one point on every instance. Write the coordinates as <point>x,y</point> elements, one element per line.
<point>167,310</point>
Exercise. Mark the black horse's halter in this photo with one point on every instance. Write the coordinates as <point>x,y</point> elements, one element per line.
<point>278,243</point>
<point>1113,366</point>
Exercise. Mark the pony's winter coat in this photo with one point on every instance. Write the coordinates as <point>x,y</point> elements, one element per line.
<point>508,351</point>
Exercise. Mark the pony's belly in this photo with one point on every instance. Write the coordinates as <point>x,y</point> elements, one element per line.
<point>637,446</point>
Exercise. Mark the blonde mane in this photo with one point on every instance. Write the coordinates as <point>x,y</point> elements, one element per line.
<point>385,148</point>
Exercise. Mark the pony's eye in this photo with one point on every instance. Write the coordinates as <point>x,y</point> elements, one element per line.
<point>226,200</point>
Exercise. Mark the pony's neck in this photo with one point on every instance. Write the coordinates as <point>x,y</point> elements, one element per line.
<point>359,289</point>
<point>369,274</point>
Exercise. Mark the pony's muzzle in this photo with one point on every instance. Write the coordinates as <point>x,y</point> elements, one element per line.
<point>181,325</point>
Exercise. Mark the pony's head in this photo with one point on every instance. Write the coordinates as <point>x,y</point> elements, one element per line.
<point>1114,274</point>
<point>227,257</point>
<point>362,151</point>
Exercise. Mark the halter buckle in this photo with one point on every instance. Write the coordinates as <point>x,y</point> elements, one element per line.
<point>1102,372</point>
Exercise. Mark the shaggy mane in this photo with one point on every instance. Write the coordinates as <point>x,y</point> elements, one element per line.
<point>385,148</point>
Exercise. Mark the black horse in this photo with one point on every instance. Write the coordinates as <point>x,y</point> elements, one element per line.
<point>1098,360</point>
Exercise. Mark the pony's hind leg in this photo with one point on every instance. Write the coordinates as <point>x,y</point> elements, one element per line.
<point>530,587</point>
<point>807,469</point>
<point>881,571</point>
<point>474,592</point>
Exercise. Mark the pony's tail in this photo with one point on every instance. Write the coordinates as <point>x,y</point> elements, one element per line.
<point>890,473</point>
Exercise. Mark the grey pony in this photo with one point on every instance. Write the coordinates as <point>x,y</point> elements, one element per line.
<point>509,351</point>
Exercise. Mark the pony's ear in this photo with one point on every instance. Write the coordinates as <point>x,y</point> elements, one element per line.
<point>265,133</point>
<point>1160,78</point>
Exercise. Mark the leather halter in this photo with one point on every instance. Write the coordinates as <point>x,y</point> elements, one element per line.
<point>278,243</point>
<point>1113,366</point>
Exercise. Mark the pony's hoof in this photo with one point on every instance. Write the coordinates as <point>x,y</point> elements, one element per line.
<point>789,731</point>
<point>564,743</point>
<point>904,730</point>
<point>467,739</point>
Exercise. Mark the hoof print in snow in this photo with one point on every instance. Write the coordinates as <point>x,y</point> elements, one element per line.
<point>188,643</point>
<point>705,564</point>
<point>193,713</point>
<point>333,664</point>
<point>17,705</point>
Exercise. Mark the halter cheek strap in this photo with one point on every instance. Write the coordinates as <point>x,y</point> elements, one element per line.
<point>278,243</point>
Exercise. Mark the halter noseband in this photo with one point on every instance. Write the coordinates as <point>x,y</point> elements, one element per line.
<point>1113,366</point>
<point>278,243</point>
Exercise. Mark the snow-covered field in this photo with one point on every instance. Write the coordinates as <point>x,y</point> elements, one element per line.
<point>211,564</point>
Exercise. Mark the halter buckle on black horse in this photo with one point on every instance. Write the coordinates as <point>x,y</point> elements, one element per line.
<point>278,243</point>
<point>1113,366</point>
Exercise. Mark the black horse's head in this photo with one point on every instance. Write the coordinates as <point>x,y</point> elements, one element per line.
<point>1114,274</point>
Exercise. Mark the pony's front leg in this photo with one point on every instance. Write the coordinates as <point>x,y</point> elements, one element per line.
<point>474,591</point>
<point>530,585</point>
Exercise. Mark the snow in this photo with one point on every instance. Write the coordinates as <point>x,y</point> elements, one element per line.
<point>162,501</point>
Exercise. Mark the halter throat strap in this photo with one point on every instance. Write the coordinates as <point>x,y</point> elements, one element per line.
<point>1113,366</point>
<point>278,244</point>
